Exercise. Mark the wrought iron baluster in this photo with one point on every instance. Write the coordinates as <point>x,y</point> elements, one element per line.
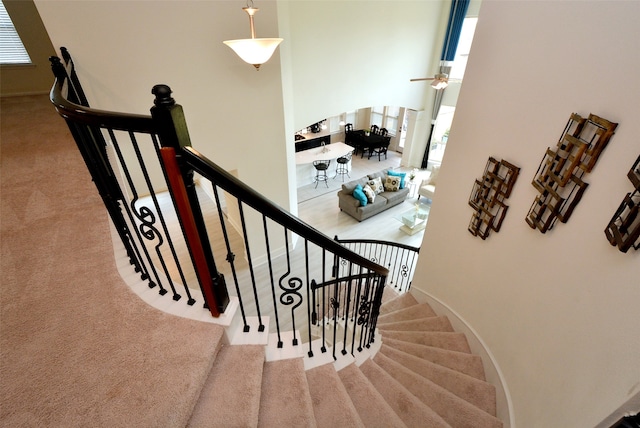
<point>291,294</point>
<point>335,304</point>
<point>353,319</point>
<point>346,314</point>
<point>133,214</point>
<point>365,311</point>
<point>306,265</point>
<point>273,285</point>
<point>230,257</point>
<point>154,198</point>
<point>251,271</point>
<point>323,348</point>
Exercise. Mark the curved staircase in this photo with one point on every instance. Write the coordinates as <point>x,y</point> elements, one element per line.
<point>423,376</point>
<point>78,348</point>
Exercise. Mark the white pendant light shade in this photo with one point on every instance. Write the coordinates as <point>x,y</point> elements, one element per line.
<point>254,51</point>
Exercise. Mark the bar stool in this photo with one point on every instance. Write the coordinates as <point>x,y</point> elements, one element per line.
<point>321,167</point>
<point>342,167</point>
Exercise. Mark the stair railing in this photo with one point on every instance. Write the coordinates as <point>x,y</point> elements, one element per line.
<point>400,259</point>
<point>292,257</point>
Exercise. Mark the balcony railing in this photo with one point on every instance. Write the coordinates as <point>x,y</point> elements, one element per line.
<point>400,259</point>
<point>231,240</point>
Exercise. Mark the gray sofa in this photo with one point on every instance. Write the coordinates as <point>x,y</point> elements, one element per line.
<point>382,201</point>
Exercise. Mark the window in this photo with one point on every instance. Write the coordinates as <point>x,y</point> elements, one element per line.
<point>377,114</point>
<point>445,114</point>
<point>464,47</point>
<point>12,51</point>
<point>441,133</point>
<point>351,117</point>
<point>391,119</point>
<point>386,117</point>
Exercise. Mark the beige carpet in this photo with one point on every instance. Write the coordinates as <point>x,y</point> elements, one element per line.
<point>77,347</point>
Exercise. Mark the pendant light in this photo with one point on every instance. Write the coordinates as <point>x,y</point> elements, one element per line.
<point>253,51</point>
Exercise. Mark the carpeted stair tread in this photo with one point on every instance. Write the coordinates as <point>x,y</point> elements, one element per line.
<point>421,310</point>
<point>389,294</point>
<point>400,302</point>
<point>477,392</point>
<point>236,377</point>
<point>285,400</point>
<point>407,406</point>
<point>456,411</point>
<point>440,323</point>
<point>371,406</point>
<point>452,341</point>
<point>332,405</point>
<point>463,362</point>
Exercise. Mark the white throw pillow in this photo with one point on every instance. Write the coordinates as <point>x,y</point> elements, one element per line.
<point>376,185</point>
<point>371,194</point>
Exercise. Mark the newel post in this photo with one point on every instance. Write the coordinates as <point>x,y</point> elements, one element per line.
<point>173,135</point>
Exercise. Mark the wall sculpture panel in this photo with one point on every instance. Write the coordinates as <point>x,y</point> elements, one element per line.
<point>623,230</point>
<point>559,178</point>
<point>488,197</point>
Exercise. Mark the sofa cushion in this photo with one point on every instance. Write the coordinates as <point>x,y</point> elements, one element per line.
<point>434,175</point>
<point>376,184</point>
<point>371,194</point>
<point>351,185</point>
<point>396,197</point>
<point>402,176</point>
<point>380,174</point>
<point>378,205</point>
<point>359,194</point>
<point>392,184</point>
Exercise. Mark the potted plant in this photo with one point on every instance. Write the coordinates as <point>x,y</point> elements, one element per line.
<point>413,173</point>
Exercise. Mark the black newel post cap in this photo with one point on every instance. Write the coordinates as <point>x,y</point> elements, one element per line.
<point>163,96</point>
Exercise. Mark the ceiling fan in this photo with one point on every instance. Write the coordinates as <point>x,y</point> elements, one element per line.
<point>440,80</point>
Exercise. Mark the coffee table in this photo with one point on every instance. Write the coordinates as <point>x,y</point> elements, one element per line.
<point>415,219</point>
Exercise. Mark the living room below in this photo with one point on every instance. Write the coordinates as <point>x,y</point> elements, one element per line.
<point>319,206</point>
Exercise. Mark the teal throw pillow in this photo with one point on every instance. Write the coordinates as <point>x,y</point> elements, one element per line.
<point>358,193</point>
<point>402,175</point>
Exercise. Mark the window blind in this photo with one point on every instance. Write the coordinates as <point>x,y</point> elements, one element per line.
<point>12,51</point>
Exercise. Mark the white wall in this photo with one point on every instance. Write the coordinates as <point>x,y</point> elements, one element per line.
<point>559,311</point>
<point>348,55</point>
<point>234,113</point>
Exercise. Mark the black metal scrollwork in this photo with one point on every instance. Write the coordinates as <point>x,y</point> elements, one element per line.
<point>147,220</point>
<point>404,270</point>
<point>364,311</point>
<point>291,294</point>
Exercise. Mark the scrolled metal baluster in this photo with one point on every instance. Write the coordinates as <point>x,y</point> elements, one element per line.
<point>335,304</point>
<point>148,231</point>
<point>291,296</point>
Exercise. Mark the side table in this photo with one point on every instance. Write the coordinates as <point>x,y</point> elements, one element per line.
<point>413,187</point>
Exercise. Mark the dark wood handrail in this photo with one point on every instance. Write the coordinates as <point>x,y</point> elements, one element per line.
<point>318,285</point>
<point>90,116</point>
<point>375,241</point>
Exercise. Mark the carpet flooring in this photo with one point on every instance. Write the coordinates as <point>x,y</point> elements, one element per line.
<point>77,347</point>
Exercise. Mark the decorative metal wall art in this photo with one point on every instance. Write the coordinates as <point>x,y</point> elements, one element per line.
<point>623,230</point>
<point>559,176</point>
<point>488,196</point>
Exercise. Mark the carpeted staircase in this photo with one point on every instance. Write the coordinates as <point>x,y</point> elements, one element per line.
<point>78,348</point>
<point>423,376</point>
